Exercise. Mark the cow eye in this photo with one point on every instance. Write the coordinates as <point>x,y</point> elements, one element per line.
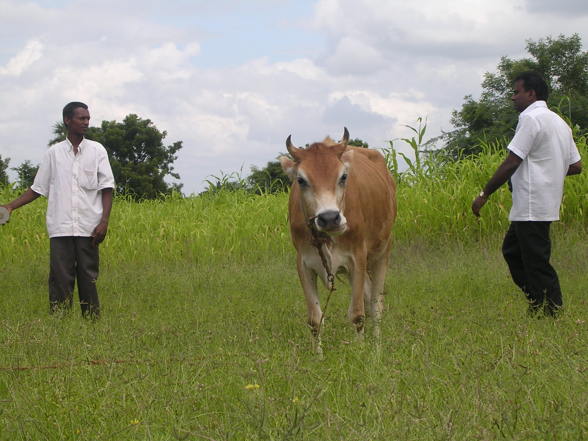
<point>343,179</point>
<point>301,181</point>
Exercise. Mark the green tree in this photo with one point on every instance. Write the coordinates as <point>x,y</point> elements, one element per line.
<point>3,166</point>
<point>26,173</point>
<point>140,161</point>
<point>563,64</point>
<point>59,132</point>
<point>270,179</point>
<point>358,143</point>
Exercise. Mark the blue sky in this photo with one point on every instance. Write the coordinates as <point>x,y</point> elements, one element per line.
<point>233,79</point>
<point>234,32</point>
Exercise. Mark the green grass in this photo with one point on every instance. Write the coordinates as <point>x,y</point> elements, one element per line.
<point>203,335</point>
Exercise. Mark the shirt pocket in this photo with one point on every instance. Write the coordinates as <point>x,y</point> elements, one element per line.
<point>89,179</point>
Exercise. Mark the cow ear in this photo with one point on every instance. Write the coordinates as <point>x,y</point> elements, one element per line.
<point>347,156</point>
<point>288,166</point>
<point>339,149</point>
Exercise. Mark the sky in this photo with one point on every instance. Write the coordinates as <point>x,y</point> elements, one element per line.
<point>232,79</point>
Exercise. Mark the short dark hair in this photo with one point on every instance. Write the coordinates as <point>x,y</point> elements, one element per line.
<point>68,110</point>
<point>534,81</point>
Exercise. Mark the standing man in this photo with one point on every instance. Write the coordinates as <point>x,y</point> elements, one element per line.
<point>541,154</point>
<point>76,178</point>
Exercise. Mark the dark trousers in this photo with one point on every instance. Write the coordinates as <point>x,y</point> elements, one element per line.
<point>527,250</point>
<point>73,257</point>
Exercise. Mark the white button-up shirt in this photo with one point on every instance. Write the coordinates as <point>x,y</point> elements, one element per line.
<point>72,185</point>
<point>545,144</point>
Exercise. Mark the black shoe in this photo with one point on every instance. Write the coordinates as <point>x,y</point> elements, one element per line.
<point>533,310</point>
<point>551,310</point>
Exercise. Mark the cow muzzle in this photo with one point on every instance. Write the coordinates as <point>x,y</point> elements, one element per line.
<point>331,222</point>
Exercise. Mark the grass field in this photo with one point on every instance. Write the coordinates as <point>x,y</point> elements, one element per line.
<point>203,334</point>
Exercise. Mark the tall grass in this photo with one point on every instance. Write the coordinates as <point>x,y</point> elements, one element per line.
<point>234,225</point>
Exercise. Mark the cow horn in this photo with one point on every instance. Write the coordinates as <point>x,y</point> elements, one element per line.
<point>293,150</point>
<point>345,138</point>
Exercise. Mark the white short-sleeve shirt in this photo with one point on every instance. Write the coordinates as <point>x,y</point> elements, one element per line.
<point>545,144</point>
<point>72,185</point>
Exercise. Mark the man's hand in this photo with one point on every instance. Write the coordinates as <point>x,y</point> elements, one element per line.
<point>575,168</point>
<point>99,233</point>
<point>478,204</point>
<point>7,214</point>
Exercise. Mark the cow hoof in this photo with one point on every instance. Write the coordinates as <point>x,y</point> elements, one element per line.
<point>359,323</point>
<point>377,333</point>
<point>317,347</point>
<point>319,352</point>
<point>360,336</point>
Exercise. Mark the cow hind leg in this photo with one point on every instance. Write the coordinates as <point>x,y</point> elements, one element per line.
<point>378,272</point>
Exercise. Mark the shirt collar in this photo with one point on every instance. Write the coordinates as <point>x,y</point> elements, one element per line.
<point>70,145</point>
<point>537,104</point>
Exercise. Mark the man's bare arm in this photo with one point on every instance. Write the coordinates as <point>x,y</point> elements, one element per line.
<point>501,175</point>
<point>25,198</point>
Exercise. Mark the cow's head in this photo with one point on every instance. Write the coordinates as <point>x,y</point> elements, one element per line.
<point>320,172</point>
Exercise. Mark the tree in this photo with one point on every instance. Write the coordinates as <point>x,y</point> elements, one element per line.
<point>270,179</point>
<point>140,162</point>
<point>26,174</point>
<point>139,159</point>
<point>358,143</point>
<point>564,66</point>
<point>60,132</point>
<point>3,166</point>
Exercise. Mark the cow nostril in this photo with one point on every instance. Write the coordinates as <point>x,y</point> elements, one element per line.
<point>329,219</point>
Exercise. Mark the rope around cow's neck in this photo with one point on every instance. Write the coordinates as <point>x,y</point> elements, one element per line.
<point>318,240</point>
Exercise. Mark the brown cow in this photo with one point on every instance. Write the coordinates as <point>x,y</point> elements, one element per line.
<point>346,194</point>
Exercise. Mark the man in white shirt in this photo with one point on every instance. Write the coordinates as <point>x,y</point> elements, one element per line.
<point>541,154</point>
<point>76,178</point>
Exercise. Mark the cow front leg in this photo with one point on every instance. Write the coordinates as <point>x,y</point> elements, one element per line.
<point>308,280</point>
<point>356,309</point>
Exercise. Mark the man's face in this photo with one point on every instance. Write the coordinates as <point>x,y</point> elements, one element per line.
<point>79,122</point>
<point>522,98</point>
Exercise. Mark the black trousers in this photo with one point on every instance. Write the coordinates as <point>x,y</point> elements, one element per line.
<point>72,258</point>
<point>527,250</point>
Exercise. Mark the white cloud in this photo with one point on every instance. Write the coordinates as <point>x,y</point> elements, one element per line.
<point>355,57</point>
<point>402,107</point>
<point>169,61</point>
<point>105,79</point>
<point>423,24</point>
<point>23,60</point>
